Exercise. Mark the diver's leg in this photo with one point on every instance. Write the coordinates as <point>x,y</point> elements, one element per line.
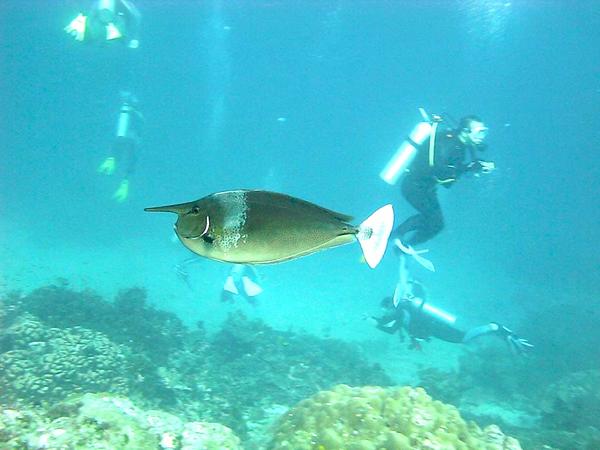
<point>432,219</point>
<point>412,224</point>
<point>414,193</point>
<point>481,330</point>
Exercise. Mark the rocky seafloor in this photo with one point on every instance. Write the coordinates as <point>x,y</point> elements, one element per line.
<point>78,372</point>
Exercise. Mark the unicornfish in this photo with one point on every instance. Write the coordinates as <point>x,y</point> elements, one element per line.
<point>262,227</point>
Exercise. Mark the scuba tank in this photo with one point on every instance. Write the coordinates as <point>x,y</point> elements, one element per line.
<point>127,114</point>
<point>437,314</point>
<point>408,149</point>
<point>106,10</point>
<point>124,120</point>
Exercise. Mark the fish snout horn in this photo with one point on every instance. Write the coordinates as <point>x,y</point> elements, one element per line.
<point>177,209</point>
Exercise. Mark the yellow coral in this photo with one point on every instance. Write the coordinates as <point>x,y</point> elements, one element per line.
<point>374,418</point>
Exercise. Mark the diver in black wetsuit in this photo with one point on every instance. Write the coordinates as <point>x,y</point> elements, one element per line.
<point>125,146</point>
<point>441,165</point>
<point>422,321</point>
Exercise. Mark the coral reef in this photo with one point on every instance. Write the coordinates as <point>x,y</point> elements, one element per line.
<point>374,418</point>
<point>127,320</point>
<point>570,347</point>
<point>564,414</point>
<point>573,402</point>
<point>63,341</point>
<point>571,412</point>
<point>104,421</point>
<point>446,386</point>
<point>44,364</point>
<point>485,369</point>
<point>56,342</point>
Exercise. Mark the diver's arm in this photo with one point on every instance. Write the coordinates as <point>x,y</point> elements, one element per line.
<point>139,117</point>
<point>132,9</point>
<point>387,323</point>
<point>135,19</point>
<point>477,165</point>
<point>480,166</point>
<point>444,170</point>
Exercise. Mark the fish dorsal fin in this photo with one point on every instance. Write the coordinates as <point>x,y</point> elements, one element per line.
<point>275,199</point>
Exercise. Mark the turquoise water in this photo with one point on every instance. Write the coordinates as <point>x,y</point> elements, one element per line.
<point>311,99</point>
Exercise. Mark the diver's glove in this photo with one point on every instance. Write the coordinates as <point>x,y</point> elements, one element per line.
<point>371,320</point>
<point>122,192</point>
<point>108,166</point>
<point>77,27</point>
<point>478,167</point>
<point>517,345</point>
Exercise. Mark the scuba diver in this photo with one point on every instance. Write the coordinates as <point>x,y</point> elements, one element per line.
<point>243,281</point>
<point>124,148</point>
<point>108,20</point>
<point>430,158</point>
<point>409,311</point>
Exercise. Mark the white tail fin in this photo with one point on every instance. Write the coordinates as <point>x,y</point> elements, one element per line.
<point>251,288</point>
<point>416,254</point>
<point>374,233</point>
<point>230,285</point>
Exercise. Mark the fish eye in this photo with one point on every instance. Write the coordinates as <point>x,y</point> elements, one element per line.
<point>195,210</point>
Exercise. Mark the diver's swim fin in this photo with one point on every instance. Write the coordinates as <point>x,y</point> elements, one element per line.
<point>416,254</point>
<point>251,287</point>
<point>77,27</point>
<point>112,32</point>
<point>230,285</point>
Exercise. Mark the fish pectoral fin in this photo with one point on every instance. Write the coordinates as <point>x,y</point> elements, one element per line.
<point>373,234</point>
